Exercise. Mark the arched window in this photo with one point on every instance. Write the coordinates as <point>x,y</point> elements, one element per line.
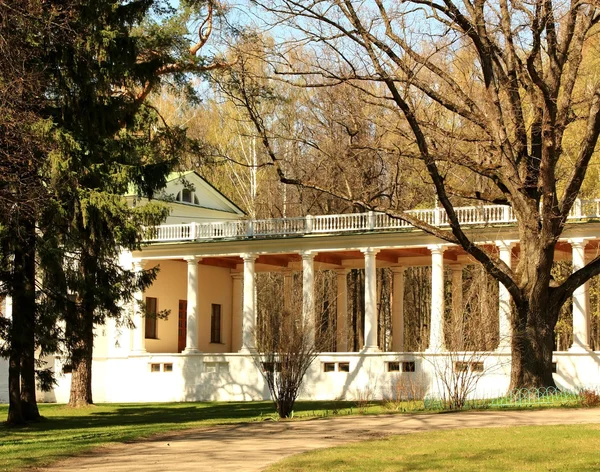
<point>187,196</point>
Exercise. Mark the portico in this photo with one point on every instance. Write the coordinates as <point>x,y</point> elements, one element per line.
<point>210,281</point>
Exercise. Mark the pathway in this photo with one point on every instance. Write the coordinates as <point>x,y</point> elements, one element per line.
<point>251,447</point>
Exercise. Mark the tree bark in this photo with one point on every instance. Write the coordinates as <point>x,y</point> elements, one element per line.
<point>28,312</point>
<point>15,414</point>
<point>81,383</point>
<point>21,372</point>
<point>81,378</point>
<point>532,346</point>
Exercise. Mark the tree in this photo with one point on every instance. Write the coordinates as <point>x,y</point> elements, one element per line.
<point>109,140</point>
<point>286,344</point>
<point>487,97</point>
<point>23,192</point>
<point>77,135</point>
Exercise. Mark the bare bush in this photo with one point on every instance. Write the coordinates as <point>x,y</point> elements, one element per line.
<point>286,345</point>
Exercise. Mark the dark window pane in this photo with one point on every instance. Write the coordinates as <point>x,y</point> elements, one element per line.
<point>151,305</point>
<point>215,324</point>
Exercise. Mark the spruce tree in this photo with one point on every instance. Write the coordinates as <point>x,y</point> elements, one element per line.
<point>108,141</point>
<point>77,134</point>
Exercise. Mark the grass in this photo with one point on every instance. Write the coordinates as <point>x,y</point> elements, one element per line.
<point>524,448</point>
<point>66,431</point>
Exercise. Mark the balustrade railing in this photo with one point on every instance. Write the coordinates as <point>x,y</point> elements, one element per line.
<point>352,222</point>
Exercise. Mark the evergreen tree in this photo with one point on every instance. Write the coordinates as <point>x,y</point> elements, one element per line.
<point>81,131</point>
<point>22,190</point>
<point>108,141</point>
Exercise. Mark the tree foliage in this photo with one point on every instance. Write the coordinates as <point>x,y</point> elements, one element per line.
<point>87,71</point>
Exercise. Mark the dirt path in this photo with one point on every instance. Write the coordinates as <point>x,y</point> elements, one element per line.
<point>251,447</point>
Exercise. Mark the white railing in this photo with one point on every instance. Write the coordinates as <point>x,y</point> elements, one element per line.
<point>352,222</point>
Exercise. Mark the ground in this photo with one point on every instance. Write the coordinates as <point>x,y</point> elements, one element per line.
<point>252,447</point>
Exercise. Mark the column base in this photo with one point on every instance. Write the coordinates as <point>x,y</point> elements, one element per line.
<point>503,349</point>
<point>579,348</point>
<point>247,350</point>
<point>191,350</point>
<point>368,349</point>
<point>435,350</point>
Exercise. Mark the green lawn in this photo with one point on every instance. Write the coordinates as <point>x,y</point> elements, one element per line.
<point>67,431</point>
<point>525,448</point>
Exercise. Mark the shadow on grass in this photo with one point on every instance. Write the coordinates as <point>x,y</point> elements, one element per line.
<point>63,418</point>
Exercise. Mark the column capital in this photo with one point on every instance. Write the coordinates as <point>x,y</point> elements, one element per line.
<point>578,243</point>
<point>437,248</point>
<point>307,255</point>
<point>398,269</point>
<point>505,245</point>
<point>192,259</point>
<point>138,264</point>
<point>249,257</point>
<point>342,272</point>
<point>237,275</point>
<point>456,267</point>
<point>370,251</point>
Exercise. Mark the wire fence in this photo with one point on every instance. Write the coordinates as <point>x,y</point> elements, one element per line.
<point>526,397</point>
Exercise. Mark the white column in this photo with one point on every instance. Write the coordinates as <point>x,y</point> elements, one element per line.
<point>342,310</point>
<point>581,301</point>
<point>139,330</point>
<point>398,309</point>
<point>236,312</point>
<point>457,307</point>
<point>308,294</point>
<point>288,282</point>
<point>436,324</point>
<point>8,307</point>
<point>191,335</point>
<point>504,307</point>
<point>249,304</point>
<point>370,299</point>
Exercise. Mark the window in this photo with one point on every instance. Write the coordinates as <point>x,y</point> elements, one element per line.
<point>554,368</point>
<point>167,367</point>
<point>336,366</point>
<point>186,195</point>
<point>393,366</point>
<point>218,367</point>
<point>468,366</point>
<point>215,324</point>
<point>271,367</point>
<point>154,367</point>
<point>409,366</point>
<point>151,304</point>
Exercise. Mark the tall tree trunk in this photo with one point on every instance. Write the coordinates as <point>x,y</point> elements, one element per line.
<point>83,343</point>
<point>532,346</point>
<point>28,312</point>
<point>21,373</point>
<point>81,378</point>
<point>15,414</point>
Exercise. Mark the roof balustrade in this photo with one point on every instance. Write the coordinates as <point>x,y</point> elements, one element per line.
<point>472,216</point>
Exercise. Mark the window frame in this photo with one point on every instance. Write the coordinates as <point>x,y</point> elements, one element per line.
<point>216,320</point>
<point>151,323</point>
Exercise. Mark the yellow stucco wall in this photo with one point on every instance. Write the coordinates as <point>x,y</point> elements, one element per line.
<point>214,286</point>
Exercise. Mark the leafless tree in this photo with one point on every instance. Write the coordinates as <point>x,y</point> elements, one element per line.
<point>286,343</point>
<point>496,102</point>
